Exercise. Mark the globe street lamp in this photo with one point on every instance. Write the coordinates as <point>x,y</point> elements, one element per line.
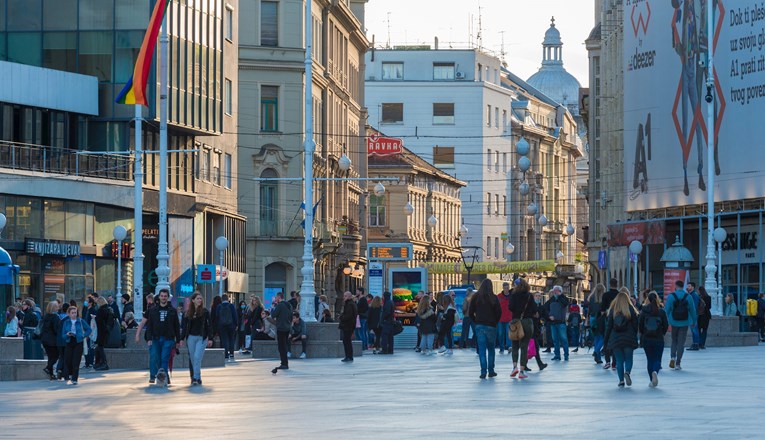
<point>720,234</point>
<point>119,233</point>
<point>3,221</point>
<point>636,248</point>
<point>509,249</point>
<point>221,243</point>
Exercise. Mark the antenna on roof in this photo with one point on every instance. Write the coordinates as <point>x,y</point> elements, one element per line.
<point>479,38</point>
<point>502,52</point>
<point>387,44</point>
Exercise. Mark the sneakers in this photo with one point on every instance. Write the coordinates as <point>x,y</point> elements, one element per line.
<point>515,372</point>
<point>555,358</point>
<point>621,384</point>
<point>449,351</point>
<point>442,350</point>
<point>302,355</point>
<point>482,376</point>
<point>152,380</point>
<point>678,367</point>
<point>74,382</point>
<point>654,379</point>
<point>576,350</point>
<point>608,365</point>
<point>492,374</point>
<point>522,375</point>
<point>102,367</point>
<point>546,351</point>
<point>671,364</point>
<point>627,379</point>
<point>542,367</point>
<point>526,368</point>
<point>346,360</point>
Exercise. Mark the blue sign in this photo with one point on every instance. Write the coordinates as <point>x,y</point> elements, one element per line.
<point>602,260</point>
<point>206,273</point>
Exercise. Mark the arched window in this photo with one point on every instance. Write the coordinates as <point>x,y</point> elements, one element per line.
<point>268,203</point>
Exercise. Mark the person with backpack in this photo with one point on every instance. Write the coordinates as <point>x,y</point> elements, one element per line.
<point>653,326</point>
<point>574,322</point>
<point>621,334</point>
<point>227,324</point>
<point>705,315</point>
<point>681,313</point>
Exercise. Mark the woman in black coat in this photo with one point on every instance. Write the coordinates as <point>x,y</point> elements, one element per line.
<point>49,337</point>
<point>653,326</point>
<point>374,322</point>
<point>523,308</point>
<point>705,316</point>
<point>621,334</point>
<point>103,324</point>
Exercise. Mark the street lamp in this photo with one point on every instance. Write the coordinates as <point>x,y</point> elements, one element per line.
<point>469,263</point>
<point>720,235</point>
<point>379,189</point>
<point>119,233</point>
<point>344,163</point>
<point>432,221</point>
<point>636,248</point>
<point>509,249</point>
<point>463,231</point>
<point>3,221</point>
<point>408,209</point>
<point>221,243</point>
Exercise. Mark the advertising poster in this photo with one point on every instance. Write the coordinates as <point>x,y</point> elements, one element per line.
<point>670,276</point>
<point>667,95</point>
<point>404,285</point>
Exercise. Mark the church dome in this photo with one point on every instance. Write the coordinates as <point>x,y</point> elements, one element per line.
<point>552,79</point>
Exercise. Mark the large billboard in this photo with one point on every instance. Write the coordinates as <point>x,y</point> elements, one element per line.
<point>666,101</point>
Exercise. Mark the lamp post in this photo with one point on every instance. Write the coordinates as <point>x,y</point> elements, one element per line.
<point>119,234</point>
<point>509,249</point>
<point>720,234</point>
<point>3,221</point>
<point>636,248</point>
<point>221,243</point>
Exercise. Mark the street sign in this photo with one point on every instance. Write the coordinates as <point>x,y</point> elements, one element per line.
<point>389,251</point>
<point>221,271</point>
<point>375,284</point>
<point>384,146</point>
<point>205,273</point>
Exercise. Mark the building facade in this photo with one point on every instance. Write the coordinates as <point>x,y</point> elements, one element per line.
<point>271,141</point>
<point>70,177</point>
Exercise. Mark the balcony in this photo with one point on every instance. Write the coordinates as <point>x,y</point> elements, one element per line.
<point>64,161</point>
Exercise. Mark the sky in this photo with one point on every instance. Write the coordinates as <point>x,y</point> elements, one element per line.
<point>523,22</point>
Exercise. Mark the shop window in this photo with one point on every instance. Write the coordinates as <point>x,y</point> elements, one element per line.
<point>392,113</point>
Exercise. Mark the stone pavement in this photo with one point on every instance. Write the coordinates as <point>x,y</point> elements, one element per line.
<point>718,394</point>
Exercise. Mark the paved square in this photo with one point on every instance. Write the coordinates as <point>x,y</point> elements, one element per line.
<point>720,394</point>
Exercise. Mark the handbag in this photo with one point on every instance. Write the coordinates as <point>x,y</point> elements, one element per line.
<point>532,348</point>
<point>397,327</point>
<point>358,322</point>
<point>516,330</point>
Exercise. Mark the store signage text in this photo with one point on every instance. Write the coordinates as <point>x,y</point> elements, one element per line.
<point>53,247</point>
<point>384,146</point>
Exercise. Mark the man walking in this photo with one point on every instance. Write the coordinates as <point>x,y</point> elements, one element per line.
<point>386,320</point>
<point>690,287</point>
<point>556,311</point>
<point>163,332</point>
<point>485,312</point>
<point>362,333</point>
<point>281,316</point>
<point>681,313</point>
<point>348,324</point>
<point>226,319</point>
<point>504,320</point>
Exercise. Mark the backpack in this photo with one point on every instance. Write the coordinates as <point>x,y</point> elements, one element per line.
<point>620,323</point>
<point>652,325</point>
<point>575,319</point>
<point>225,318</point>
<point>680,309</point>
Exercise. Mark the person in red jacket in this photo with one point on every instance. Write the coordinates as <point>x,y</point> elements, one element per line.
<point>504,320</point>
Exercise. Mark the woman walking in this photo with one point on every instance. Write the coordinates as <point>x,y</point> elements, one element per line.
<point>621,334</point>
<point>485,313</point>
<point>445,334</point>
<point>374,322</point>
<point>597,323</point>
<point>538,320</point>
<point>653,326</point>
<point>705,315</point>
<point>523,308</point>
<point>103,326</point>
<point>49,337</point>
<point>197,334</point>
<point>74,330</point>
<point>427,325</point>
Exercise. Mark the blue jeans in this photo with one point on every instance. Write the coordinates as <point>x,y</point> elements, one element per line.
<point>486,337</point>
<point>573,335</point>
<point>467,326</point>
<point>597,341</point>
<point>227,337</point>
<point>559,338</point>
<point>654,348</point>
<point>502,330</point>
<point>426,342</point>
<point>160,348</point>
<point>695,335</point>
<point>362,334</point>
<point>91,355</point>
<point>623,356</point>
<point>197,347</point>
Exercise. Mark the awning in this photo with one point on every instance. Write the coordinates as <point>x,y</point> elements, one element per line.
<point>487,267</point>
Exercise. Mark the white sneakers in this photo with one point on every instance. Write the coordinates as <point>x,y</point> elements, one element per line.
<point>289,354</point>
<point>302,355</point>
<point>654,379</point>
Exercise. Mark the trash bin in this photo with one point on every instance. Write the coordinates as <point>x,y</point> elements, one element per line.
<point>32,347</point>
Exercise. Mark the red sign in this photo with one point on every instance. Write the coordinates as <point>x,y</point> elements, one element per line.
<point>670,276</point>
<point>384,146</point>
<point>650,232</point>
<point>206,275</point>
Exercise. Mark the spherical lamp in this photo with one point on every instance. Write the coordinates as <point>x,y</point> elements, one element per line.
<point>344,163</point>
<point>379,189</point>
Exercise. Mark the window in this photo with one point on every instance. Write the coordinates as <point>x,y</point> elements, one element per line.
<point>496,117</point>
<point>269,108</point>
<point>488,158</point>
<point>488,115</point>
<point>504,206</point>
<point>504,162</point>
<point>204,165</point>
<point>488,246</point>
<point>488,203</point>
<point>229,25</point>
<point>376,210</point>
<point>496,204</point>
<point>228,96</point>
<point>504,120</point>
<point>480,72</point>
<point>496,247</point>
<point>443,157</point>
<point>392,113</point>
<point>496,161</point>
<point>443,113</point>
<point>443,70</point>
<point>228,171</point>
<point>268,204</point>
<point>216,175</point>
<point>269,23</point>
<point>393,71</point>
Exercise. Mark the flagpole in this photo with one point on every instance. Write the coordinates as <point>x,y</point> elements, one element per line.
<point>307,288</point>
<point>138,219</point>
<point>163,269</point>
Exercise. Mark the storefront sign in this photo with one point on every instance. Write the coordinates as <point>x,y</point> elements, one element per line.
<point>384,146</point>
<point>487,267</point>
<point>206,273</point>
<point>622,234</point>
<point>741,246</point>
<point>53,247</point>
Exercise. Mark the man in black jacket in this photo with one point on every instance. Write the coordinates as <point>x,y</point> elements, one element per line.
<point>127,305</point>
<point>386,322</point>
<point>485,312</point>
<point>163,332</point>
<point>281,316</point>
<point>348,324</point>
<point>556,308</point>
<point>362,306</point>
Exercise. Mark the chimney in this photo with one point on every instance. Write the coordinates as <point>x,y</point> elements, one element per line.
<point>436,45</point>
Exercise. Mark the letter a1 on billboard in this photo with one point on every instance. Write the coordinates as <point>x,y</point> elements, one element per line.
<point>666,97</point>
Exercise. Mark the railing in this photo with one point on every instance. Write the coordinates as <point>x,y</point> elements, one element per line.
<point>64,161</point>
